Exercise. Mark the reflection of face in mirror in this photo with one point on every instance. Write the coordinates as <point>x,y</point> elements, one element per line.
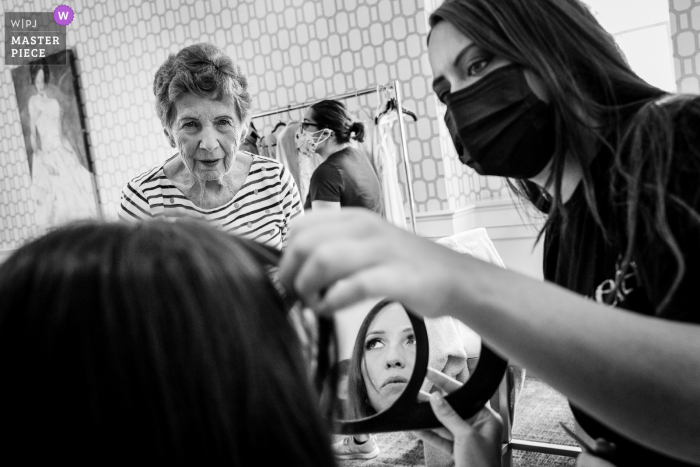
<point>389,354</point>
<point>382,360</point>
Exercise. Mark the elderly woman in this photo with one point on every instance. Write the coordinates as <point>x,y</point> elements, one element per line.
<point>203,103</point>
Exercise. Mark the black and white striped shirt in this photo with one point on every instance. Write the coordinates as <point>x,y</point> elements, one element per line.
<point>261,210</point>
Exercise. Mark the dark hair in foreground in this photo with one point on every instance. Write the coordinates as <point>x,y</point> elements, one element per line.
<point>333,115</point>
<point>585,73</point>
<point>151,343</point>
<point>358,400</point>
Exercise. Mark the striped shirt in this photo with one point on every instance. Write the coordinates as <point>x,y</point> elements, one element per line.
<point>261,210</point>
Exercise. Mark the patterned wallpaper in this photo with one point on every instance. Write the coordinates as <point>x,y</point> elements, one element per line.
<point>463,185</point>
<point>292,51</point>
<point>685,32</point>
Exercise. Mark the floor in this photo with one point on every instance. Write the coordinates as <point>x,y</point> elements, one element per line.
<point>537,417</point>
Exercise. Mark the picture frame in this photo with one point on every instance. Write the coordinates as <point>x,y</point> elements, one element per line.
<point>63,186</point>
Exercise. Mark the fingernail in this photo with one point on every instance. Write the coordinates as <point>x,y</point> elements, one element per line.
<point>437,398</point>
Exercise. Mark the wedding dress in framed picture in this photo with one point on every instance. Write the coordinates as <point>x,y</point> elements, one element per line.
<point>63,184</point>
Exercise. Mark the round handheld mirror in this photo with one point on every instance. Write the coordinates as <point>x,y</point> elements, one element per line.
<point>389,360</point>
<point>389,343</point>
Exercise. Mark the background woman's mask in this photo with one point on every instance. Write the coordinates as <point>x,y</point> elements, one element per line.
<point>307,142</point>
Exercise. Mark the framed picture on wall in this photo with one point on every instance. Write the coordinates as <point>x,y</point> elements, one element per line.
<point>63,184</point>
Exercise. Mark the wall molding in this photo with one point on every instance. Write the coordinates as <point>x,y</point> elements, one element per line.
<point>502,217</point>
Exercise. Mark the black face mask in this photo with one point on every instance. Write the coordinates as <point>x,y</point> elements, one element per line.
<point>500,127</point>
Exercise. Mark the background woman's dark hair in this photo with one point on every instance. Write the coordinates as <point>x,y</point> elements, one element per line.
<point>34,70</point>
<point>586,75</point>
<point>333,115</point>
<point>155,343</point>
<point>358,400</point>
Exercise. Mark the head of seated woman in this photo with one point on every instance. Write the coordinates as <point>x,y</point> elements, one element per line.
<point>163,342</point>
<point>203,102</point>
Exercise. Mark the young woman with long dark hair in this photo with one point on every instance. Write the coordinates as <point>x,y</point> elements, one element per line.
<point>537,92</point>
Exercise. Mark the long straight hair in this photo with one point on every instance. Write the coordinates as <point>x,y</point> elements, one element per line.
<point>358,399</point>
<point>589,80</point>
<point>156,343</point>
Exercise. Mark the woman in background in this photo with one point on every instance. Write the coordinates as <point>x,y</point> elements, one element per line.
<point>203,103</point>
<point>345,178</point>
<point>151,343</point>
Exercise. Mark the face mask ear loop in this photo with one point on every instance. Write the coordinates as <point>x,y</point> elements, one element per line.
<point>321,139</point>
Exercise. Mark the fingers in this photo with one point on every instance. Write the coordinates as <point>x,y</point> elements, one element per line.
<point>603,446</point>
<point>325,247</point>
<point>447,415</point>
<point>371,281</point>
<point>328,273</point>
<point>443,381</point>
<point>444,433</point>
<point>488,423</point>
<point>438,442</point>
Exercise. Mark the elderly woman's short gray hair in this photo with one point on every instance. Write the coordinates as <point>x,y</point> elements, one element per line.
<point>203,70</point>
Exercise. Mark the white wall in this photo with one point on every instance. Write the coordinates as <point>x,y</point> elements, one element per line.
<point>642,30</point>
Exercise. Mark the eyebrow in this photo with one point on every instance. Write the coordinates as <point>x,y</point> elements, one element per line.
<point>408,329</point>
<point>191,117</point>
<point>440,79</point>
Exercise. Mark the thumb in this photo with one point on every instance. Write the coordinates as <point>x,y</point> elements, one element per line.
<point>447,415</point>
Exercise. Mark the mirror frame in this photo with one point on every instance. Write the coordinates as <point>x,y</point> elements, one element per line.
<point>407,413</point>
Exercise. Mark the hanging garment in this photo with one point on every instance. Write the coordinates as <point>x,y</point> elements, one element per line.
<point>307,166</point>
<point>262,146</point>
<point>386,164</point>
<point>272,139</point>
<point>250,143</point>
<point>287,152</point>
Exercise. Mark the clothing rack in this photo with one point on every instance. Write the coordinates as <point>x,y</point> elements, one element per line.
<point>402,130</point>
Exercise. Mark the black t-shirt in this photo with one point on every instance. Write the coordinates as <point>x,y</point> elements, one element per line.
<point>346,177</point>
<point>584,262</point>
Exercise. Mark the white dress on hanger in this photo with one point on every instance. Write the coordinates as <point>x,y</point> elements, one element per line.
<point>307,165</point>
<point>386,165</point>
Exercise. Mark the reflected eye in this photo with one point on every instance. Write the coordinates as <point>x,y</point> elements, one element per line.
<point>374,344</point>
<point>411,340</point>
